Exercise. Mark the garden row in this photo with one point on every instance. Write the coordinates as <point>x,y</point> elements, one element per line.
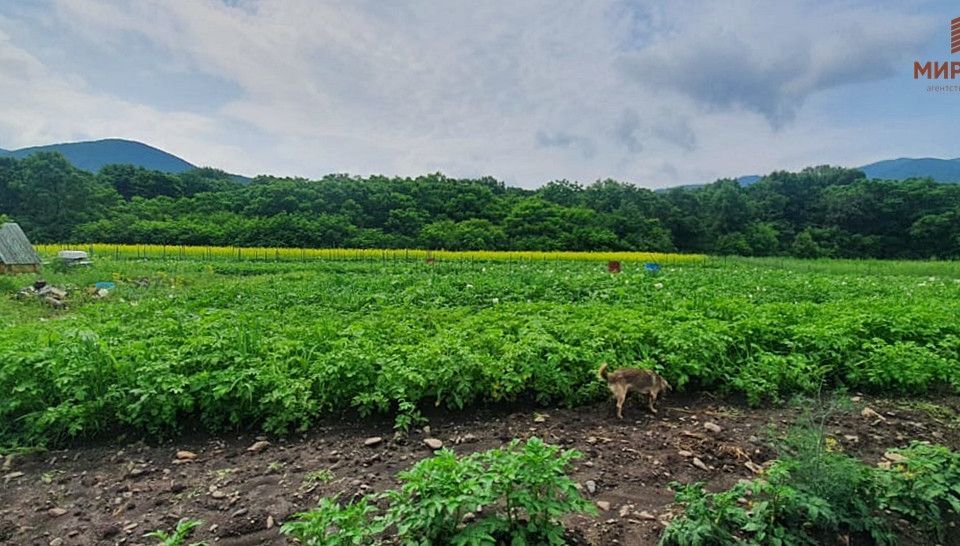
<point>277,346</point>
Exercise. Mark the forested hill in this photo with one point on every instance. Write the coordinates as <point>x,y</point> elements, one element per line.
<point>941,170</point>
<point>821,211</point>
<point>94,155</point>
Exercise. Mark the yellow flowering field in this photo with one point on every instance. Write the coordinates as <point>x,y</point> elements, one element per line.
<point>302,254</point>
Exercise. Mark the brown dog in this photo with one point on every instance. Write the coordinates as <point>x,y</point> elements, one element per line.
<point>621,381</point>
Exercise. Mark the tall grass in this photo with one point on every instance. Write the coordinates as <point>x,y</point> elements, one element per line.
<point>852,266</point>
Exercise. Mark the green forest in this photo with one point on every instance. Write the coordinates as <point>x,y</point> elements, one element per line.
<point>817,212</point>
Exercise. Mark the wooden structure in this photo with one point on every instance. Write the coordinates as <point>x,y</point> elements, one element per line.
<point>16,253</point>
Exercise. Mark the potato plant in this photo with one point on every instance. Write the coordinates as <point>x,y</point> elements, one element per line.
<point>222,345</point>
<point>517,494</point>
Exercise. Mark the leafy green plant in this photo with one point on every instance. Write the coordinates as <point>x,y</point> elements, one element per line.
<point>435,495</point>
<point>758,512</point>
<point>516,494</point>
<point>59,266</point>
<point>179,535</point>
<point>322,475</point>
<point>814,494</point>
<point>276,346</point>
<point>778,509</point>
<point>9,285</point>
<point>535,490</point>
<point>924,487</point>
<point>811,462</point>
<point>335,524</point>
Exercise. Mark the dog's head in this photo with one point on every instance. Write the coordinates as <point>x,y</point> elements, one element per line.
<point>662,383</point>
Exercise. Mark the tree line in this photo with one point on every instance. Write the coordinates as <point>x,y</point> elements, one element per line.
<point>817,212</point>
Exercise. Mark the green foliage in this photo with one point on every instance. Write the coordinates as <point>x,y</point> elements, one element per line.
<point>9,285</point>
<point>799,501</point>
<point>50,198</point>
<point>924,488</point>
<point>811,495</point>
<point>817,212</point>
<point>815,494</point>
<point>805,247</point>
<point>516,494</point>
<point>179,534</point>
<point>335,524</point>
<point>754,513</point>
<point>220,345</point>
<point>59,266</point>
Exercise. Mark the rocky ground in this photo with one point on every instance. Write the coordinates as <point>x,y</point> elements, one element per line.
<point>244,487</point>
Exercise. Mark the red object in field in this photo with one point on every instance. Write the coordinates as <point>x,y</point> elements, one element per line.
<point>613,267</point>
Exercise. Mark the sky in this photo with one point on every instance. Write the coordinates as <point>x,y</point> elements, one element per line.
<point>652,93</point>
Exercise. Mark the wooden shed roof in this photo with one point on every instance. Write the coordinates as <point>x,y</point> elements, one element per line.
<point>15,248</point>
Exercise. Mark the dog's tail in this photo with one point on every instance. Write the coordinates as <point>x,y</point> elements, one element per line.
<point>602,372</point>
<point>666,386</point>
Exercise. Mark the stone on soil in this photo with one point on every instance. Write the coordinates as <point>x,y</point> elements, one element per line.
<point>258,446</point>
<point>894,457</point>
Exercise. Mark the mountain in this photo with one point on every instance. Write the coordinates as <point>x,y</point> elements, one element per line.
<point>941,170</point>
<point>94,155</point>
<point>742,180</point>
<point>946,171</point>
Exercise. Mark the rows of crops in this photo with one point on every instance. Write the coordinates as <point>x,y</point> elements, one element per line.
<point>229,344</point>
<point>118,251</point>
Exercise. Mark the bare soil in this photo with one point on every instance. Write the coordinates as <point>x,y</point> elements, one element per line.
<point>115,493</point>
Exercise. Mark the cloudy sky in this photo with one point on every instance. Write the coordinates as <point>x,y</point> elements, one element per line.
<point>528,91</point>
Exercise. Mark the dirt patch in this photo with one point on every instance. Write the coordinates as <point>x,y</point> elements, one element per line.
<point>113,495</point>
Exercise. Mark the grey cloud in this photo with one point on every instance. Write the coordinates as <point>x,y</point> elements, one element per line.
<point>307,87</point>
<point>676,130</point>
<point>725,65</point>
<point>627,131</point>
<point>720,74</point>
<point>562,139</point>
<point>663,125</point>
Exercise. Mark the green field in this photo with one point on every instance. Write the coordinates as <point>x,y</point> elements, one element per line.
<point>223,345</point>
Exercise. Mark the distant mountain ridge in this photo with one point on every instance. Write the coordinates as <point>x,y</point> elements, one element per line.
<point>941,170</point>
<point>945,171</point>
<point>96,154</point>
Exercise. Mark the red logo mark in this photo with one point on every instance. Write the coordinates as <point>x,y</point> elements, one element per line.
<point>955,35</point>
